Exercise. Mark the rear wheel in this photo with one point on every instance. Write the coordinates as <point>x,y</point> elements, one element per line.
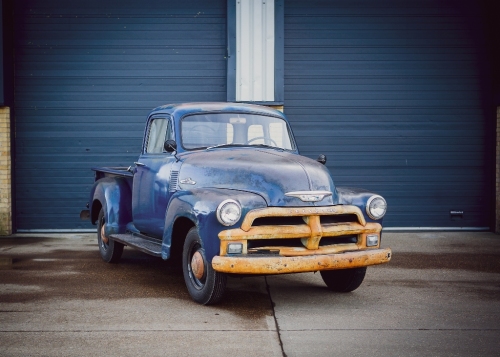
<point>344,280</point>
<point>111,251</point>
<point>205,285</point>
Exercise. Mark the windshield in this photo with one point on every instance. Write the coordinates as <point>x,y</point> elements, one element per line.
<point>208,130</point>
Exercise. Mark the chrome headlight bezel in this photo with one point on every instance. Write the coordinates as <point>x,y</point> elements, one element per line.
<point>371,205</point>
<point>222,212</point>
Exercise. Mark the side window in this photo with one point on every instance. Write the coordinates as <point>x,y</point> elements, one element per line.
<point>170,134</point>
<point>159,131</point>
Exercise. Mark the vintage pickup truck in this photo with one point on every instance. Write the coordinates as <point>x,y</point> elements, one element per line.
<point>221,187</point>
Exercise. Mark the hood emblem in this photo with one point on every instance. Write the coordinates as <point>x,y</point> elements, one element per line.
<point>309,196</point>
<point>188,181</point>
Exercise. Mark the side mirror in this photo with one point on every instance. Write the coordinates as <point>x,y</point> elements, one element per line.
<point>321,159</point>
<point>170,145</point>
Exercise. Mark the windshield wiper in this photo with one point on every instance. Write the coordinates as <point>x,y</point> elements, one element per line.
<point>246,145</point>
<point>222,145</point>
<point>268,147</point>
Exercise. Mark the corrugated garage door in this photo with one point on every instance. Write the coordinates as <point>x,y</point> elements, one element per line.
<point>86,75</point>
<point>394,94</point>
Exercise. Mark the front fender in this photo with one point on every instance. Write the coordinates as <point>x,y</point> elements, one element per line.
<point>115,196</point>
<point>200,206</point>
<point>356,197</point>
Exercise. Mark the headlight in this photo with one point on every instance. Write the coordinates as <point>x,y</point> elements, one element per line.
<point>376,207</point>
<point>228,212</point>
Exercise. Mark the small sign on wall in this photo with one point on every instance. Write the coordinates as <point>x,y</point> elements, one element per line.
<point>456,215</point>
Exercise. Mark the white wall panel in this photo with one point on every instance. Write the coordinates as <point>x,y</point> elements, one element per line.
<point>255,50</point>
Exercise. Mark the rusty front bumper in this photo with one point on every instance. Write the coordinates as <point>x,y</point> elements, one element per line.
<point>305,249</point>
<point>300,264</point>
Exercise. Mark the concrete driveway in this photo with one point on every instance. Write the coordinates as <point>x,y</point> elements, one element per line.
<point>439,296</point>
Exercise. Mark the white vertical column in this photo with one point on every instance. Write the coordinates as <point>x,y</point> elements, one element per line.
<point>255,50</point>
<point>5,173</point>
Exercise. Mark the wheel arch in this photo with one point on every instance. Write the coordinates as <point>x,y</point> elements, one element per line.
<point>94,210</point>
<point>114,196</point>
<point>180,229</point>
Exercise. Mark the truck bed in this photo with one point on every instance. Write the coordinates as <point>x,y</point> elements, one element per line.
<point>101,172</point>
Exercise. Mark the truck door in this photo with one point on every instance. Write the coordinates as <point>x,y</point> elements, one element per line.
<point>151,194</point>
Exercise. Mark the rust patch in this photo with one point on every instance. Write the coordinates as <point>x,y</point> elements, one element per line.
<point>285,265</point>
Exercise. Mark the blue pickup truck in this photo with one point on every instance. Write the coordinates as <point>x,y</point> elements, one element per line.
<point>221,187</point>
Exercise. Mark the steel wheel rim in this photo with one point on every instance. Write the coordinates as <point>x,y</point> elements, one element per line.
<point>102,245</point>
<point>197,283</point>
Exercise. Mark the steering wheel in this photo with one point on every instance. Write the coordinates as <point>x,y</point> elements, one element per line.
<point>265,140</point>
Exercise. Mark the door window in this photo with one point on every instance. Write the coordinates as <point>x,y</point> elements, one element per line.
<point>159,131</point>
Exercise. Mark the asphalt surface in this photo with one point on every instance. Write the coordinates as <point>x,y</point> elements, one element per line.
<point>439,296</point>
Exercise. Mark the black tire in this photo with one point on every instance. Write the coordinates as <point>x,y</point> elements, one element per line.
<point>111,252</point>
<point>209,288</point>
<point>344,280</point>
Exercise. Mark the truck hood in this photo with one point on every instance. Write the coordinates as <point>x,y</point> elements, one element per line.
<point>269,173</point>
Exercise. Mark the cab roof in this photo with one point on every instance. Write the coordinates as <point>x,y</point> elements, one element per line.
<point>182,109</point>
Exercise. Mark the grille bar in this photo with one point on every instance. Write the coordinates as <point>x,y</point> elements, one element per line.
<point>301,212</point>
<point>300,231</point>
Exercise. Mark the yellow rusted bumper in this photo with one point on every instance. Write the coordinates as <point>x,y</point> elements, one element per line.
<point>300,264</point>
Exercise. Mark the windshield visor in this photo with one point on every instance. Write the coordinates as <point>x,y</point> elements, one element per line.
<point>208,130</point>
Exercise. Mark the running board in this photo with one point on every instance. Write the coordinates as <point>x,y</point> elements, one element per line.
<point>140,242</point>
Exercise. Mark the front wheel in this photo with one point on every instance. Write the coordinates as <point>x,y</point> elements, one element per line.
<point>111,251</point>
<point>344,280</point>
<point>205,285</point>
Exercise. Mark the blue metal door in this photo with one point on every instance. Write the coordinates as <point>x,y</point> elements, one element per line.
<point>151,193</point>
<point>397,95</point>
<point>87,73</point>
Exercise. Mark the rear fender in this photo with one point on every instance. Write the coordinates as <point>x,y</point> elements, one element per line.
<point>200,206</point>
<point>115,196</point>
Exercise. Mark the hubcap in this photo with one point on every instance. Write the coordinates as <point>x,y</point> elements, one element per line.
<point>104,239</point>
<point>197,265</point>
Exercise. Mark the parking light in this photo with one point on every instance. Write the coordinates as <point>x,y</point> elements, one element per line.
<point>372,240</point>
<point>234,248</point>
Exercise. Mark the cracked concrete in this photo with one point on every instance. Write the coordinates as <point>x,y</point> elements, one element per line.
<point>439,296</point>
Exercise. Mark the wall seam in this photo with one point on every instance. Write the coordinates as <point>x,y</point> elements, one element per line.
<point>497,174</point>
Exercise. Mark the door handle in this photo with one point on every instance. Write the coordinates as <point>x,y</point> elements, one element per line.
<point>139,164</point>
